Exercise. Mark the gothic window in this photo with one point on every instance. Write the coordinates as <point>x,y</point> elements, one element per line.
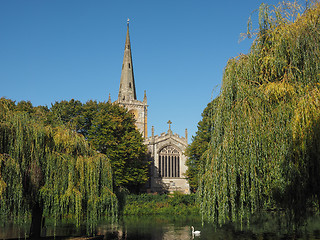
<point>169,162</point>
<point>129,84</point>
<point>129,65</point>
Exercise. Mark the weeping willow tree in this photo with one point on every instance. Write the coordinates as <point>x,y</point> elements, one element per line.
<point>264,152</point>
<point>47,171</point>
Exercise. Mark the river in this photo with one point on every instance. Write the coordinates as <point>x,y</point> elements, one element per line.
<point>167,228</point>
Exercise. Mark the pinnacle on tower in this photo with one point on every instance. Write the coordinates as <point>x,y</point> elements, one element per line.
<point>145,96</point>
<point>127,90</point>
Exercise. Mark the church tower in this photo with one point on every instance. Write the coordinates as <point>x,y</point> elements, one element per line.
<point>127,91</point>
<point>166,151</point>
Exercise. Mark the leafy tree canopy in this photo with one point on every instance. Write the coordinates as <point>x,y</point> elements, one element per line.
<point>264,152</point>
<point>109,129</point>
<point>199,145</point>
<point>49,171</point>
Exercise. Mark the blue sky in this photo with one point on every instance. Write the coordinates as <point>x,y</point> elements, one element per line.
<point>53,50</point>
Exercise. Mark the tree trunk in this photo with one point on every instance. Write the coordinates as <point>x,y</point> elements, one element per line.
<point>36,222</point>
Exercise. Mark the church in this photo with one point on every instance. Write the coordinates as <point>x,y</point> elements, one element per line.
<point>165,152</point>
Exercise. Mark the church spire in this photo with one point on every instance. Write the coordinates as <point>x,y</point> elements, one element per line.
<point>127,90</point>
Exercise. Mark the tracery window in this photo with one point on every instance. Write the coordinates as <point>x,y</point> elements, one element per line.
<point>169,162</point>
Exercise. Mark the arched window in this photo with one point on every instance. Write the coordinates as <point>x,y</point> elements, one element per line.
<point>169,162</point>
<point>135,113</point>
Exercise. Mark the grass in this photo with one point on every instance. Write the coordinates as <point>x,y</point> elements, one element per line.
<point>165,204</point>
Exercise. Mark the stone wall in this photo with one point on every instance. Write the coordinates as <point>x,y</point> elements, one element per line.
<point>167,182</point>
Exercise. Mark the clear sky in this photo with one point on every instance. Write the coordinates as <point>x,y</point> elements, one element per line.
<point>53,50</point>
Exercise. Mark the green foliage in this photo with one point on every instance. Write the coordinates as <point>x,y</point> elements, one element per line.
<point>25,107</point>
<point>40,112</point>
<point>6,105</point>
<point>110,130</point>
<point>264,152</point>
<point>50,171</point>
<point>68,113</point>
<point>199,145</point>
<point>148,204</point>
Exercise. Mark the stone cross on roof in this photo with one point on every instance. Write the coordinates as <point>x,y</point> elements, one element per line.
<point>169,130</point>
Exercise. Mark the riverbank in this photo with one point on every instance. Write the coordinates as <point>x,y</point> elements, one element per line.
<point>165,204</point>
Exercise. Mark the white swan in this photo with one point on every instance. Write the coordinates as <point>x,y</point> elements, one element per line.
<point>195,233</point>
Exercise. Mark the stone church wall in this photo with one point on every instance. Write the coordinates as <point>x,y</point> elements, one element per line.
<point>174,178</point>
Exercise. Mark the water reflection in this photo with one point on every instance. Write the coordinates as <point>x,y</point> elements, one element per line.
<point>156,228</point>
<point>153,228</point>
<point>167,228</point>
<point>13,231</point>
